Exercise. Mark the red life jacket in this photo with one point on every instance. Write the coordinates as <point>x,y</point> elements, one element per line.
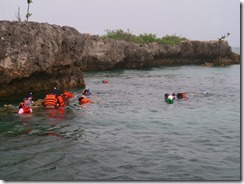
<point>26,109</point>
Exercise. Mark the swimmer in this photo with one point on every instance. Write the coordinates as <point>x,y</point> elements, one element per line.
<point>25,107</point>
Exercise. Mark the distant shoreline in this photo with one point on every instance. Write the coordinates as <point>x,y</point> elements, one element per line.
<point>236,49</point>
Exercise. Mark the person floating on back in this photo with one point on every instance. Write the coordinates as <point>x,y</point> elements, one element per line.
<point>24,107</point>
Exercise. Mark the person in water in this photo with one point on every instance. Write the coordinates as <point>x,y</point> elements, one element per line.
<point>169,99</point>
<point>68,94</point>
<point>54,100</point>
<point>50,100</point>
<point>60,100</point>
<point>181,95</point>
<point>83,100</point>
<point>104,81</point>
<point>24,107</point>
<point>166,96</point>
<point>86,92</point>
<point>30,98</point>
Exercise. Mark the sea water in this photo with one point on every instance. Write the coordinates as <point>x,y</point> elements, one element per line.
<point>129,132</point>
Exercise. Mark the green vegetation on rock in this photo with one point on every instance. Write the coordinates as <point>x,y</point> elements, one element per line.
<point>143,38</point>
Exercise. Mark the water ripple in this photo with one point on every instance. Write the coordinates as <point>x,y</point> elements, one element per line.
<point>130,133</point>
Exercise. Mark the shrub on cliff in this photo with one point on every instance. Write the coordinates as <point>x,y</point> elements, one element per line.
<point>121,35</point>
<point>148,38</point>
<point>172,39</point>
<point>142,38</point>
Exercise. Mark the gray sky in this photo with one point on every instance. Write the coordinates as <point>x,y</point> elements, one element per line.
<point>193,19</point>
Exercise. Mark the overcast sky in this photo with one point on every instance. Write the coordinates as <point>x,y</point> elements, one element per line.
<point>193,19</point>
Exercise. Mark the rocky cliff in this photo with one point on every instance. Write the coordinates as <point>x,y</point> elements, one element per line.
<point>39,56</point>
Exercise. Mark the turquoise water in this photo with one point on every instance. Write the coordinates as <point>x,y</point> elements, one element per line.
<point>129,132</point>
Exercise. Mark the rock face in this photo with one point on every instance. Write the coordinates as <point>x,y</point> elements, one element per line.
<point>39,56</point>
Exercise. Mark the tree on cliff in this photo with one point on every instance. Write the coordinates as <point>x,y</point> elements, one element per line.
<point>17,15</point>
<point>223,37</point>
<point>28,8</point>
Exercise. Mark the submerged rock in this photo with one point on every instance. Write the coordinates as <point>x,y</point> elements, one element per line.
<point>207,64</point>
<point>38,103</point>
<point>38,56</point>
<point>9,106</point>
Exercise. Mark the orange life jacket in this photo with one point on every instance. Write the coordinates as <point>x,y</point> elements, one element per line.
<point>184,95</point>
<point>50,100</point>
<point>85,100</point>
<point>60,101</point>
<point>68,94</point>
<point>105,81</point>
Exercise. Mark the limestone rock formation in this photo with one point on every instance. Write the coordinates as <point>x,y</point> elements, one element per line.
<point>38,56</point>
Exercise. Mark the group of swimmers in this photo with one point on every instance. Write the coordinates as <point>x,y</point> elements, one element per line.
<point>169,98</point>
<point>53,100</point>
